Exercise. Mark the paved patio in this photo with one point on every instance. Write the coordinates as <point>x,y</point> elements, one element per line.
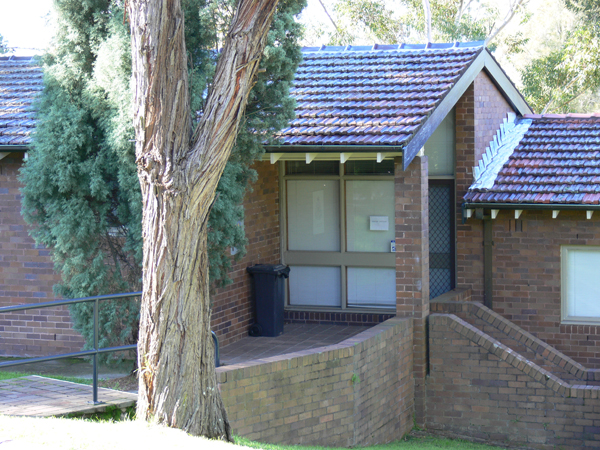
<point>45,397</point>
<point>42,397</point>
<point>295,337</point>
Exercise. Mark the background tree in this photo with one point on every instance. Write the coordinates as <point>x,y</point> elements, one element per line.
<point>3,46</point>
<point>567,78</point>
<point>380,21</point>
<point>81,190</point>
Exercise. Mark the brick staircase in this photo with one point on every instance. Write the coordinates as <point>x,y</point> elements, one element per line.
<point>516,339</point>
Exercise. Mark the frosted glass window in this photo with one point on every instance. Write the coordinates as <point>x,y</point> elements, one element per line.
<point>580,292</point>
<point>313,215</point>
<point>315,286</point>
<point>439,148</point>
<point>368,205</point>
<point>371,287</point>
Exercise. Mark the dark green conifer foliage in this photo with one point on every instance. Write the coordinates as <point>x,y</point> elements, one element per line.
<point>81,192</point>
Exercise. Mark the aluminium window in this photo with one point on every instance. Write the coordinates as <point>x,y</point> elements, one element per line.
<point>339,227</point>
<point>580,267</point>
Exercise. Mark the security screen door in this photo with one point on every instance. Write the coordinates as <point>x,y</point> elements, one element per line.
<point>441,237</point>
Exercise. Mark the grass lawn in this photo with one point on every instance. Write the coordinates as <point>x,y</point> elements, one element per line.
<point>8,375</point>
<point>59,434</point>
<point>127,383</point>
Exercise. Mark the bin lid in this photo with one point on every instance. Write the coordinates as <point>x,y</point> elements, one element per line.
<point>275,269</point>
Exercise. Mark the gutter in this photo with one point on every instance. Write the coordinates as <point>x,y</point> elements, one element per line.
<point>13,148</point>
<point>299,148</point>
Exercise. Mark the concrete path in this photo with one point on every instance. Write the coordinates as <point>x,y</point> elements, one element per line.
<point>44,397</point>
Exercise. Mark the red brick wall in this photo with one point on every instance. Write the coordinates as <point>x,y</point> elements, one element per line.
<point>526,277</point>
<point>27,276</point>
<point>478,388</point>
<point>490,110</point>
<point>233,310</point>
<point>479,113</point>
<point>355,393</point>
<point>412,263</point>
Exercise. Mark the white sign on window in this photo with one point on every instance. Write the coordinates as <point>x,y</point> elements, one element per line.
<point>379,223</point>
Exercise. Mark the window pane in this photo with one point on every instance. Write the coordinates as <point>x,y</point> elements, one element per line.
<point>313,215</point>
<point>315,286</point>
<point>439,148</point>
<point>314,168</point>
<point>370,215</point>
<point>583,298</point>
<point>371,287</point>
<point>385,167</point>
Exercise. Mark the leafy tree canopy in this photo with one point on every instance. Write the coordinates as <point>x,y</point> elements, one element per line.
<point>380,21</point>
<point>3,46</point>
<point>81,191</point>
<point>567,79</point>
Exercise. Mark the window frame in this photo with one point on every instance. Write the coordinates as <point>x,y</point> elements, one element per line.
<point>342,258</point>
<point>565,318</point>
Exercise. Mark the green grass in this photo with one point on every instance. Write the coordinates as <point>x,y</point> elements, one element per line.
<point>8,375</point>
<point>81,434</point>
<point>410,443</point>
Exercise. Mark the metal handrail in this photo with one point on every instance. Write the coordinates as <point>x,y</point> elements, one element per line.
<point>94,352</point>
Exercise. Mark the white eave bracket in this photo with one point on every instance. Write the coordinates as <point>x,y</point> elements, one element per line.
<point>274,157</point>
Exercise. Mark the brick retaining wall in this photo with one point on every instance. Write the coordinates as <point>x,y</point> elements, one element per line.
<point>358,392</point>
<point>479,388</point>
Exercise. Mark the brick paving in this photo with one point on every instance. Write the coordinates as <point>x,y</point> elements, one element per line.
<point>45,397</point>
<point>296,337</point>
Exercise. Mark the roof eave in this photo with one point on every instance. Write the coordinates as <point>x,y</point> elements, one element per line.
<point>14,148</point>
<point>332,148</point>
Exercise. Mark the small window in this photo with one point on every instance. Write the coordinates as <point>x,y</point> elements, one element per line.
<point>579,284</point>
<point>371,167</point>
<point>315,286</point>
<point>314,168</point>
<point>371,287</point>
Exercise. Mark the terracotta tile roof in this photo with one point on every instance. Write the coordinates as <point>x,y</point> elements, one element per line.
<point>20,82</point>
<point>376,95</point>
<point>556,161</point>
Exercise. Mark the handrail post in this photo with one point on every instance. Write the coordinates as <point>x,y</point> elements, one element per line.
<point>95,375</point>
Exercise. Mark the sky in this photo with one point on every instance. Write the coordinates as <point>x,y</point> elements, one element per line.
<point>24,24</point>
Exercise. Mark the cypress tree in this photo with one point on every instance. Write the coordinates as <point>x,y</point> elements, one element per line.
<point>81,192</point>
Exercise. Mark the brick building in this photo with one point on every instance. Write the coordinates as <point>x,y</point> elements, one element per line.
<point>383,200</point>
<point>534,205</point>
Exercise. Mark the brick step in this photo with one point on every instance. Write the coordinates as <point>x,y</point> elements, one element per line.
<point>520,341</point>
<point>522,349</point>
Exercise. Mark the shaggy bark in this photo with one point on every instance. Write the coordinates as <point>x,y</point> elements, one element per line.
<point>178,173</point>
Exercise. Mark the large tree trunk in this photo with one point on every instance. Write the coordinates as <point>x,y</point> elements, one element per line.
<point>179,172</point>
